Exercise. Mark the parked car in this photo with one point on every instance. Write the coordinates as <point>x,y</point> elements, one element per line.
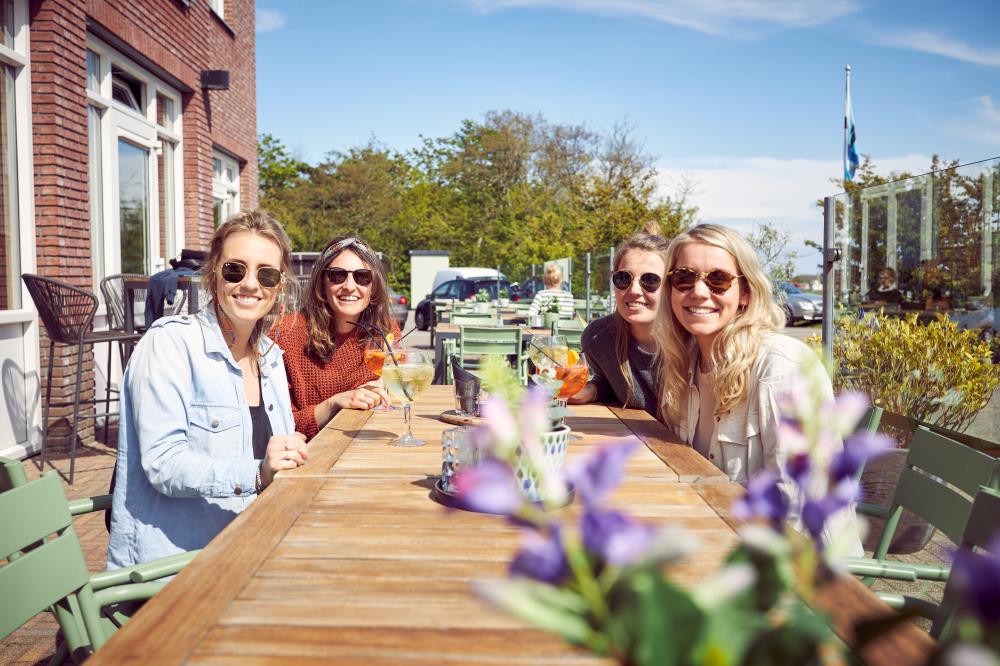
<point>399,305</point>
<point>799,305</point>
<point>460,289</point>
<point>464,272</point>
<point>526,290</point>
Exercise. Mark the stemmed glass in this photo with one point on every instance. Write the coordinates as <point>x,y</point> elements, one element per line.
<point>374,359</point>
<point>406,374</point>
<point>574,377</point>
<point>548,353</point>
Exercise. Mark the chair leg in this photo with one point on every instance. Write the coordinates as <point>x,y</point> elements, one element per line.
<point>107,391</point>
<point>76,412</point>
<point>45,407</point>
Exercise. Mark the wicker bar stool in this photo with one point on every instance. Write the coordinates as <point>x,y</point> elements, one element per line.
<point>67,312</point>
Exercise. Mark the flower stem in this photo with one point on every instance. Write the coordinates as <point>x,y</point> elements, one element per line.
<point>580,567</point>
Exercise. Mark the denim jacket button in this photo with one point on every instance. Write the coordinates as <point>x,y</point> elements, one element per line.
<point>711,456</point>
<point>238,490</point>
<point>270,407</point>
<point>215,423</point>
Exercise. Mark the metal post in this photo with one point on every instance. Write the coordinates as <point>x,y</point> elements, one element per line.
<point>499,314</point>
<point>588,287</point>
<point>831,254</point>
<point>611,269</point>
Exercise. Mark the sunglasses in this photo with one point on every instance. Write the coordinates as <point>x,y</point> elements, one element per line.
<point>649,282</point>
<point>362,276</point>
<point>236,271</point>
<point>717,280</point>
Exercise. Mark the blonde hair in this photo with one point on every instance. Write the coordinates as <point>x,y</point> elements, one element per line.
<point>735,349</point>
<point>650,241</point>
<point>552,277</point>
<point>262,224</point>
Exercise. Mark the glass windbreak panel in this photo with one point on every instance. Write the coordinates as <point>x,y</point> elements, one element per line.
<point>10,259</point>
<point>133,206</point>
<point>93,72</point>
<point>165,192</point>
<point>95,162</point>
<point>165,112</point>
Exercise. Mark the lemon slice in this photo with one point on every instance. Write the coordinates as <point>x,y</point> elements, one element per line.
<point>389,337</point>
<point>572,357</point>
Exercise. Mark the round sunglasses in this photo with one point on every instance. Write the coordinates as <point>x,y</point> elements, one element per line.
<point>235,272</point>
<point>649,282</point>
<point>717,280</point>
<point>362,276</point>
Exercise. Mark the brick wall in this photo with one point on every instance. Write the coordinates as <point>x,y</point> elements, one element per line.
<point>182,40</point>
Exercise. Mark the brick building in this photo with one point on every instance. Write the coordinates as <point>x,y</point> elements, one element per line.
<point>119,144</point>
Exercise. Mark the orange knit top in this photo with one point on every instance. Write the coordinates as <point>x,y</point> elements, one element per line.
<point>310,381</point>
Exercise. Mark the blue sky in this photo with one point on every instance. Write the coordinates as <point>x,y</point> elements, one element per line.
<point>744,97</point>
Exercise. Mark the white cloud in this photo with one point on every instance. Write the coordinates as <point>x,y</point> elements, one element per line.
<point>741,191</point>
<point>269,20</point>
<point>942,45</point>
<point>707,16</point>
<point>982,123</point>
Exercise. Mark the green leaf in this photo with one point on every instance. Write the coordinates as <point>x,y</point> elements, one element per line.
<point>554,609</point>
<point>669,624</point>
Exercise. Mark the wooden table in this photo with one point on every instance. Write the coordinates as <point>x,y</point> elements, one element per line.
<point>348,560</point>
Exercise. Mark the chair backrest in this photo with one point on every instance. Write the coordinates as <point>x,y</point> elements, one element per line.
<point>472,318</point>
<point>481,340</point>
<point>939,477</point>
<point>981,529</point>
<point>113,290</point>
<point>11,474</point>
<point>40,571</point>
<point>67,312</point>
<point>573,335</point>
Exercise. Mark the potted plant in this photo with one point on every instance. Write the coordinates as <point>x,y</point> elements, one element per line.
<point>550,311</point>
<point>482,305</point>
<point>504,297</point>
<point>931,373</point>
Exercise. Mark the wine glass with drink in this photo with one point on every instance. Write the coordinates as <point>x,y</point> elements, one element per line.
<point>374,358</point>
<point>574,376</point>
<point>406,374</point>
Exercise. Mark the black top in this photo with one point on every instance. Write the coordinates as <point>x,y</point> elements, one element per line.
<point>260,427</point>
<point>598,343</point>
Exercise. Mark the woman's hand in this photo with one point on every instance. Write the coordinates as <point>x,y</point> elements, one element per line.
<point>283,452</point>
<point>370,395</point>
<point>587,394</point>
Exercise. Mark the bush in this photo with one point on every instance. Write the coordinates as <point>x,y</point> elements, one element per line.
<point>934,372</point>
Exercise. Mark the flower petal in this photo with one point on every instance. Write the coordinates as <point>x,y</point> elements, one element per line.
<point>597,475</point>
<point>616,537</point>
<point>541,557</point>
<point>489,487</point>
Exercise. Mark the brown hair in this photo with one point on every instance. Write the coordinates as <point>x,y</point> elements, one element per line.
<point>319,318</point>
<point>648,240</point>
<point>552,277</point>
<point>258,222</point>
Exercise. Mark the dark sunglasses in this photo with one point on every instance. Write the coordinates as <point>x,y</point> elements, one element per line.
<point>362,276</point>
<point>717,280</point>
<point>649,282</point>
<point>236,271</point>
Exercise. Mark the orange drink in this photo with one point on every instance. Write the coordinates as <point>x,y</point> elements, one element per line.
<point>374,359</point>
<point>574,378</point>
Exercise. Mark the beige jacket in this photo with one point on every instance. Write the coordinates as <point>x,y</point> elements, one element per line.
<point>745,440</point>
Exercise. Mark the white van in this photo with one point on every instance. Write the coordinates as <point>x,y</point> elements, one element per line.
<point>467,272</point>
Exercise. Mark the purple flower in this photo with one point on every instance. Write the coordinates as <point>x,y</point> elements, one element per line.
<point>799,467</point>
<point>764,499</point>
<point>858,449</point>
<point>541,557</point>
<point>815,513</point>
<point>615,537</point>
<point>489,487</point>
<point>597,475</point>
<point>975,577</point>
<point>847,411</point>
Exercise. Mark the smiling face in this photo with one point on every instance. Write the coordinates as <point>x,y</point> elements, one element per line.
<point>248,301</point>
<point>636,306</point>
<point>702,313</point>
<point>348,299</point>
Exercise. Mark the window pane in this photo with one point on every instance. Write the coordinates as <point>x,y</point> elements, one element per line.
<point>95,163</point>
<point>93,72</point>
<point>216,213</point>
<point>165,163</point>
<point>165,112</point>
<point>7,8</point>
<point>10,260</point>
<point>133,206</point>
<point>126,89</point>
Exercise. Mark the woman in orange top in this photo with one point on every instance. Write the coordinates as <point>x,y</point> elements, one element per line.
<point>324,346</point>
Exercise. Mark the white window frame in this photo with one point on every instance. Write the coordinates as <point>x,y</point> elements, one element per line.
<point>228,190</point>
<point>140,128</point>
<point>219,7</point>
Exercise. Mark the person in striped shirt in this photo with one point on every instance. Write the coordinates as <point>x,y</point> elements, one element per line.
<point>552,278</point>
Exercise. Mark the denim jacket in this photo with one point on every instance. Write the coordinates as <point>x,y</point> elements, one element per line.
<point>185,460</point>
<point>745,440</point>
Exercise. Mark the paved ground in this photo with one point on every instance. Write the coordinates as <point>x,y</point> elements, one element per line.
<point>34,643</point>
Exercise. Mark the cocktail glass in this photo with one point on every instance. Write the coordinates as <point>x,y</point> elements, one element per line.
<point>406,373</point>
<point>548,353</point>
<point>574,377</point>
<point>374,358</point>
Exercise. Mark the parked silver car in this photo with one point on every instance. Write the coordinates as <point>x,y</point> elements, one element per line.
<point>399,305</point>
<point>799,305</point>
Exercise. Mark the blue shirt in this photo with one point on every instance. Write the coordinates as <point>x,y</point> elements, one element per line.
<point>185,458</point>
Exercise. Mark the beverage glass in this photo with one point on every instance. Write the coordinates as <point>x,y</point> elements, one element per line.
<point>548,353</point>
<point>375,354</point>
<point>574,377</point>
<point>457,451</point>
<point>406,374</point>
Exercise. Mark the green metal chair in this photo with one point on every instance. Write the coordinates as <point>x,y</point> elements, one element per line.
<point>475,342</point>
<point>573,332</point>
<point>938,478</point>
<point>473,318</point>
<point>12,475</point>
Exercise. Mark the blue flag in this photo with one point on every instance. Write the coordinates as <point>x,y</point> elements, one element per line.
<point>850,150</point>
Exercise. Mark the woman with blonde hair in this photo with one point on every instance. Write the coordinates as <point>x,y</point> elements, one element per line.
<point>552,279</point>
<point>206,419</point>
<point>620,348</point>
<point>346,302</point>
<point>724,364</point>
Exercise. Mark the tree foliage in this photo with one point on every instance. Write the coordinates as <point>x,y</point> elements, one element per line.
<point>510,190</point>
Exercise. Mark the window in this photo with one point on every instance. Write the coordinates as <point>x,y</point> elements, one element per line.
<point>219,7</point>
<point>13,127</point>
<point>134,134</point>
<point>225,187</point>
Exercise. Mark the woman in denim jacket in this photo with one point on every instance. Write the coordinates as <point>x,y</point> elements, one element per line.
<point>724,364</point>
<point>206,420</point>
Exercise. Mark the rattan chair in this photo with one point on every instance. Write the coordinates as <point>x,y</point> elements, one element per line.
<point>67,312</point>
